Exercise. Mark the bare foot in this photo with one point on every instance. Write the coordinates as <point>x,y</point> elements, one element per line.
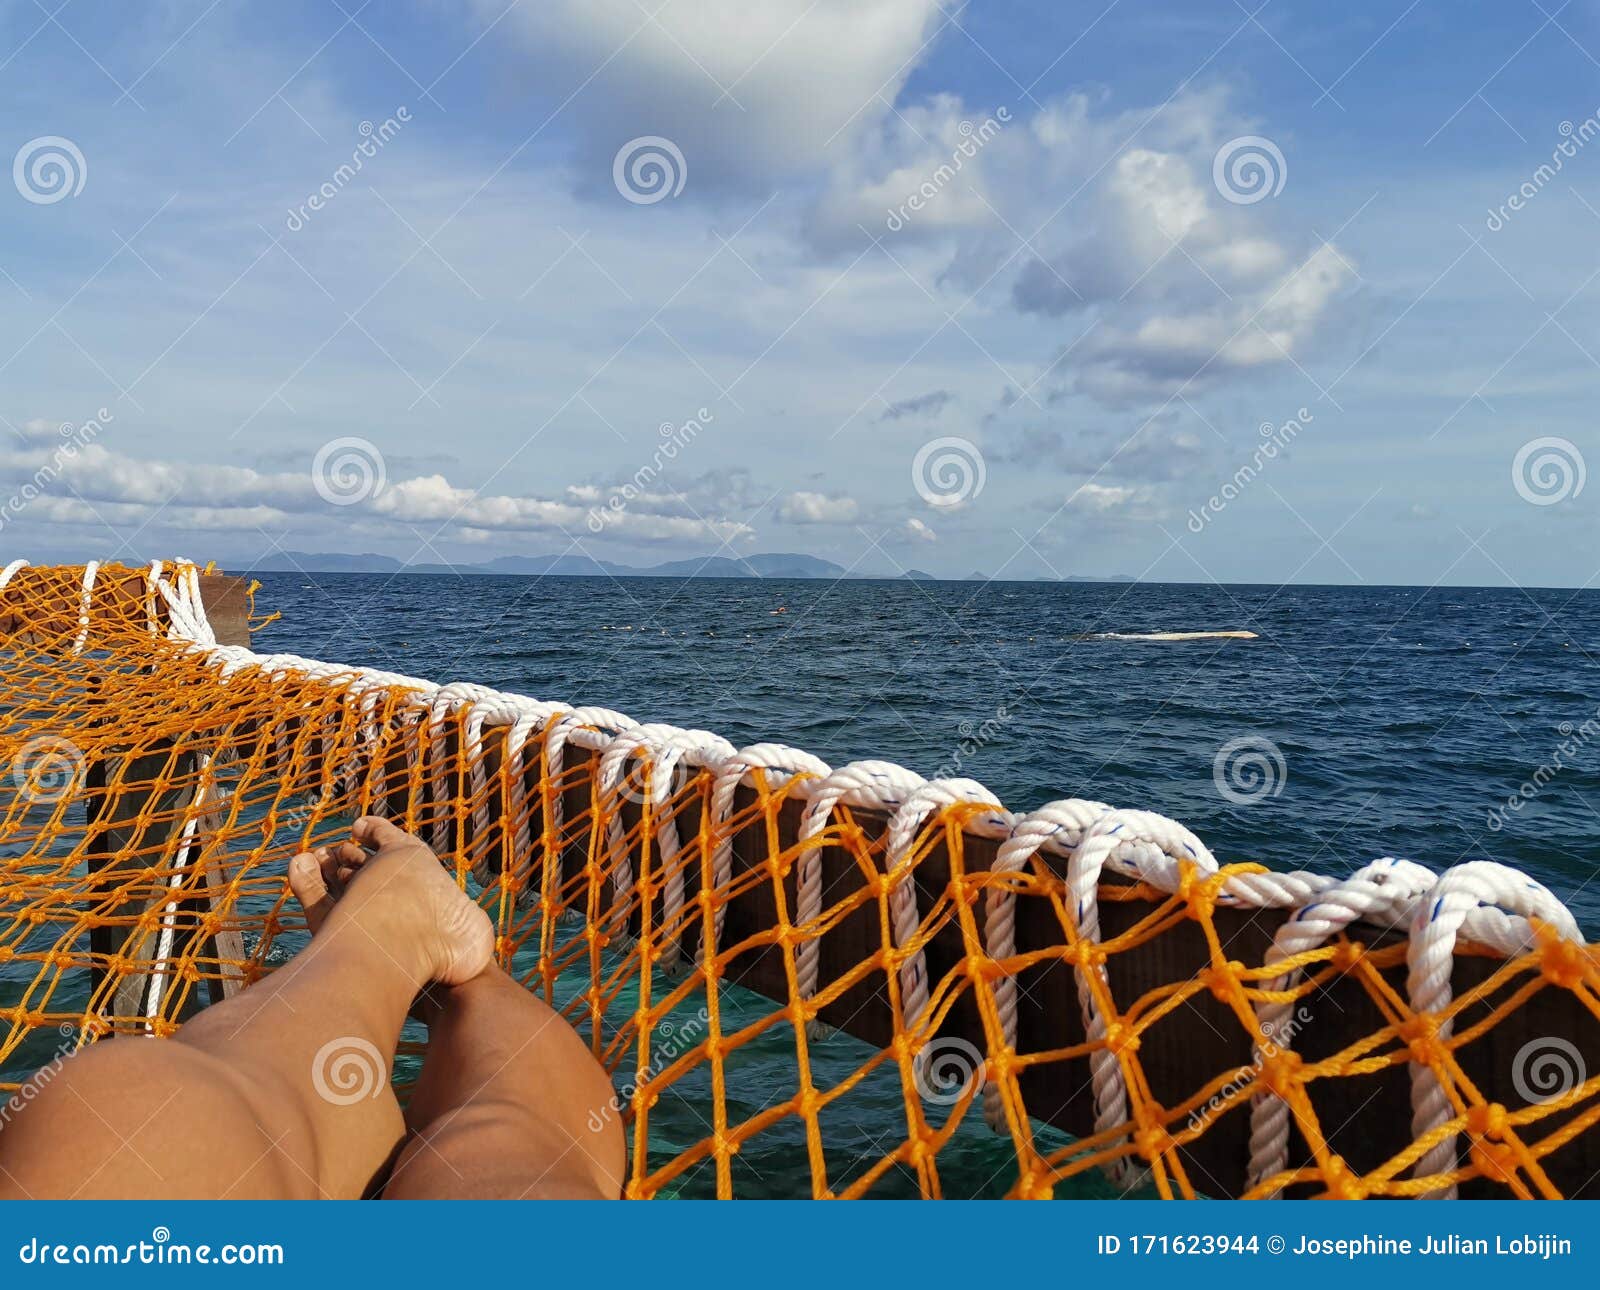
<point>400,885</point>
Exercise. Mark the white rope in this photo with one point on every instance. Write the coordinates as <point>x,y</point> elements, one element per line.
<point>89,572</point>
<point>1492,903</point>
<point>879,784</point>
<point>792,765</point>
<point>1146,847</point>
<point>1382,894</point>
<point>904,916</point>
<point>1059,827</point>
<point>10,572</point>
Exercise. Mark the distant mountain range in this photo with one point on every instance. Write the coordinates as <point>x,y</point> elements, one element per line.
<point>775,565</point>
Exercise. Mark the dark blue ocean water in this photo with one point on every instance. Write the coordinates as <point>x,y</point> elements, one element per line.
<point>1403,719</point>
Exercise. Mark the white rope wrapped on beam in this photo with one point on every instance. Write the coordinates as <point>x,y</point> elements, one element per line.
<point>1494,904</point>
<point>1059,827</point>
<point>791,764</point>
<point>1382,894</point>
<point>1487,903</point>
<point>879,784</point>
<point>1148,848</point>
<point>904,916</point>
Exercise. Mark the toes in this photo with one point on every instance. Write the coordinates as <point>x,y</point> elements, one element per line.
<point>310,889</point>
<point>341,863</point>
<point>375,831</point>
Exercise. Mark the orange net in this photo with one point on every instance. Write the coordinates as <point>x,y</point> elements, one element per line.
<point>654,888</point>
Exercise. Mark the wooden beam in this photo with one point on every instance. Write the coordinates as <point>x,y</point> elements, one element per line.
<point>135,825</point>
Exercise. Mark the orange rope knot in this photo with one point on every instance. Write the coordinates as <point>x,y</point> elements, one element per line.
<point>1421,1036</point>
<point>1224,982</point>
<point>1562,962</point>
<point>1280,1069</point>
<point>1341,1183</point>
<point>1121,1038</point>
<point>1347,955</point>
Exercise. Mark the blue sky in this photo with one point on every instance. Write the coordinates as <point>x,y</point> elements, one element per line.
<point>838,328</point>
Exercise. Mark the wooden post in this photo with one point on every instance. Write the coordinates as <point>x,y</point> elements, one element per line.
<point>134,825</point>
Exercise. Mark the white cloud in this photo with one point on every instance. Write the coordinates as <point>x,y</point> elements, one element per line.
<point>817,508</point>
<point>917,531</point>
<point>748,92</point>
<point>38,432</point>
<point>1123,226</point>
<point>101,486</point>
<point>1101,498</point>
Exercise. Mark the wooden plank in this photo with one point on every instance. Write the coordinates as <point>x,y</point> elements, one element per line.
<point>227,602</point>
<point>135,825</point>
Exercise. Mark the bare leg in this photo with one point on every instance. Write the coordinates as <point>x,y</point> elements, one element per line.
<point>284,1090</point>
<point>510,1104</point>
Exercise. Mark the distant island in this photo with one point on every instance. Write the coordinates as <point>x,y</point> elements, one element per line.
<point>774,565</point>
